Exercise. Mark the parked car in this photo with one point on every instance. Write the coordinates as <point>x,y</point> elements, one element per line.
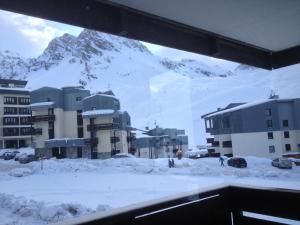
<point>123,155</point>
<point>9,155</point>
<point>237,162</point>
<point>282,163</point>
<point>27,158</point>
<point>18,156</point>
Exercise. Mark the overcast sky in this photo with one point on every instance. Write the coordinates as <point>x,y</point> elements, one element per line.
<point>29,36</point>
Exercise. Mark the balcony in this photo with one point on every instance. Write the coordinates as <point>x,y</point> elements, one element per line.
<point>131,138</point>
<point>209,140</point>
<point>222,205</point>
<point>91,141</point>
<point>103,126</point>
<point>227,144</point>
<point>114,140</point>
<point>41,118</point>
<point>37,131</point>
<point>215,144</point>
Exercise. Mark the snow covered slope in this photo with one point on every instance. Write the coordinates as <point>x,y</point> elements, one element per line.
<point>172,93</point>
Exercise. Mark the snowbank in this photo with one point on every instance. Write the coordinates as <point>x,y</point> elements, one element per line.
<point>42,212</point>
<point>20,172</point>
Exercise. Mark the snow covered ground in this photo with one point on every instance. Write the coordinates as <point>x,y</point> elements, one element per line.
<point>72,187</point>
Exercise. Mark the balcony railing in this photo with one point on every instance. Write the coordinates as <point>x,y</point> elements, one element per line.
<point>227,144</point>
<point>37,131</point>
<point>114,139</point>
<point>40,118</point>
<point>209,140</point>
<point>130,138</point>
<point>91,141</point>
<point>223,205</point>
<point>103,126</point>
<point>215,144</point>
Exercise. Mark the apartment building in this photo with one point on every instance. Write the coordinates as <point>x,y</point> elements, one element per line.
<point>15,127</point>
<point>70,122</point>
<point>161,143</point>
<point>268,128</point>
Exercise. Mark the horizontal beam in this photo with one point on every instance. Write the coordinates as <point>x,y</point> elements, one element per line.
<point>119,20</point>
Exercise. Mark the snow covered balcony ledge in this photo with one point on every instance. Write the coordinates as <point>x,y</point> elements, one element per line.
<point>98,113</point>
<point>225,204</point>
<point>65,142</point>
<point>42,105</point>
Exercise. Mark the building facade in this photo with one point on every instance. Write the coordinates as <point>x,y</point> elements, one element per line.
<point>66,123</point>
<point>161,143</point>
<point>15,127</point>
<point>268,128</point>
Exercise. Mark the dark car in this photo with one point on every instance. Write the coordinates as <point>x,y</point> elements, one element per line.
<point>27,158</point>
<point>237,162</point>
<point>9,155</point>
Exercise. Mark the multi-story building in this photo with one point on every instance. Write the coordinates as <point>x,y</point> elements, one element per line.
<point>161,143</point>
<point>70,122</point>
<point>268,128</point>
<point>15,127</point>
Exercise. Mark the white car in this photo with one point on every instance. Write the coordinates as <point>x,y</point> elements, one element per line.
<point>282,163</point>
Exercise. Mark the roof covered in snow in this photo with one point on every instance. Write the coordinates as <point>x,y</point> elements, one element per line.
<point>99,112</point>
<point>42,105</point>
<point>243,106</point>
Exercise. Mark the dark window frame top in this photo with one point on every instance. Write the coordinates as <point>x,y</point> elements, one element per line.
<point>286,134</point>
<point>268,112</point>
<point>270,135</point>
<point>271,148</point>
<point>288,147</point>
<point>285,123</point>
<point>269,123</point>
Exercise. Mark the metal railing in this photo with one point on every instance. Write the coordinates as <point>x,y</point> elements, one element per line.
<point>103,126</point>
<point>40,118</point>
<point>222,205</point>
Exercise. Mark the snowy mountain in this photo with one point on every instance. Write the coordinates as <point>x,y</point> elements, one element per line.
<point>152,89</point>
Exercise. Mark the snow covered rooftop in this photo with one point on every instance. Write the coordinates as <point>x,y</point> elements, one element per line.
<point>243,106</point>
<point>42,104</point>
<point>103,95</point>
<point>98,112</point>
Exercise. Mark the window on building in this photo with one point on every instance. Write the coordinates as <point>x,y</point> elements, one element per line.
<point>285,123</point>
<point>10,110</point>
<point>207,123</point>
<point>270,135</point>
<point>269,123</point>
<point>24,101</point>
<point>78,99</point>
<point>268,112</point>
<point>10,100</point>
<point>24,111</point>
<point>286,134</point>
<point>288,147</point>
<point>272,149</point>
<point>48,99</point>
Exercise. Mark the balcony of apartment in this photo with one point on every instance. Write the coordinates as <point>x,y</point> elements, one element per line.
<point>103,126</point>
<point>37,131</point>
<point>40,118</point>
<point>131,138</point>
<point>219,205</point>
<point>209,140</point>
<point>91,141</point>
<point>114,140</point>
<point>227,144</point>
<point>215,144</point>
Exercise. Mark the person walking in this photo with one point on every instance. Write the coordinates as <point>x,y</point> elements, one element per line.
<point>221,159</point>
<point>179,154</point>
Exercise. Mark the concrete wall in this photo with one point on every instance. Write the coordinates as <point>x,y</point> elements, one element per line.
<point>257,144</point>
<point>70,124</point>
